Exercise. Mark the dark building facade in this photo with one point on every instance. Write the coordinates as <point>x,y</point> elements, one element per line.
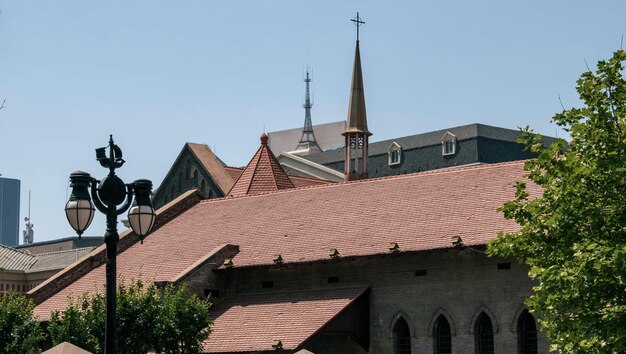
<point>464,145</point>
<point>9,211</point>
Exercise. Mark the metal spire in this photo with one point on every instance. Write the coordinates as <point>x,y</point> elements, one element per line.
<point>356,133</point>
<point>357,117</point>
<point>307,141</point>
<point>357,22</point>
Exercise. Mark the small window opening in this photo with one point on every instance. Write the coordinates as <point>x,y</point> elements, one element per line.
<point>449,147</point>
<point>268,284</point>
<point>394,154</point>
<point>504,266</point>
<point>213,293</point>
<point>421,273</point>
<point>333,280</point>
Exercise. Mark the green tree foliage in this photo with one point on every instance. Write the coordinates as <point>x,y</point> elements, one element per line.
<point>148,319</point>
<point>19,330</point>
<point>573,236</point>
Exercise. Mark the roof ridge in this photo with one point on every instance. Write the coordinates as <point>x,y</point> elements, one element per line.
<point>446,170</point>
<point>65,251</point>
<point>97,256</point>
<point>299,291</point>
<point>254,169</point>
<point>28,253</point>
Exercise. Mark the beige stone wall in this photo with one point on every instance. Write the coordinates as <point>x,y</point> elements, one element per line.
<point>20,281</point>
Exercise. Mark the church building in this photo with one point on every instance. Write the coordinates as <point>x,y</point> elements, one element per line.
<point>384,265</point>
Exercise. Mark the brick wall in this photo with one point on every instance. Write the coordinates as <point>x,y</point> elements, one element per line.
<point>459,283</point>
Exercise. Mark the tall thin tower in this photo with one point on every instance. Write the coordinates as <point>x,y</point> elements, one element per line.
<point>307,141</point>
<point>357,135</point>
<point>28,227</point>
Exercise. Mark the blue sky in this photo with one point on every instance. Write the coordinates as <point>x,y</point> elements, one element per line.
<point>157,74</point>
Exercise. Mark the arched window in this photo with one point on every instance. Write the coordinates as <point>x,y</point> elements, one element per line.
<point>483,335</point>
<point>203,185</point>
<point>401,337</point>
<point>180,180</point>
<point>442,338</point>
<point>526,334</point>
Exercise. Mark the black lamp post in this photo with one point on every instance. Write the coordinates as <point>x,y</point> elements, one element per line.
<point>107,195</point>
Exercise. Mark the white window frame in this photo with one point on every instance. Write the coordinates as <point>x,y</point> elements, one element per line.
<point>448,138</point>
<point>398,149</point>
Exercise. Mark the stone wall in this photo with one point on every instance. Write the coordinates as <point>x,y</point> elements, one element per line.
<point>457,283</point>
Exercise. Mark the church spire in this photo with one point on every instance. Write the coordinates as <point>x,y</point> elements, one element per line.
<point>307,141</point>
<point>356,133</point>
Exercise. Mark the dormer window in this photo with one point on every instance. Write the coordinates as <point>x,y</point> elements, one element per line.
<point>394,154</point>
<point>448,144</point>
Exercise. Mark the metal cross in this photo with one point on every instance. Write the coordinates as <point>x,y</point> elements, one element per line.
<point>357,21</point>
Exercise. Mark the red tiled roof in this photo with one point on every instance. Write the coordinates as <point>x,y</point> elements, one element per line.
<point>299,181</point>
<point>421,211</point>
<point>251,322</point>
<point>263,174</point>
<point>212,165</point>
<point>233,172</point>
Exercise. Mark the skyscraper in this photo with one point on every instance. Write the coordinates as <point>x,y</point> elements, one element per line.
<point>9,211</point>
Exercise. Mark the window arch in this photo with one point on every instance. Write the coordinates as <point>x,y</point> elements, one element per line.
<point>442,336</point>
<point>401,337</point>
<point>526,334</point>
<point>483,334</point>
<point>195,176</point>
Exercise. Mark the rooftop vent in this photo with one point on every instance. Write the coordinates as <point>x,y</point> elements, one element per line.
<point>277,344</point>
<point>457,241</point>
<point>228,263</point>
<point>333,253</point>
<point>393,247</point>
<point>278,259</point>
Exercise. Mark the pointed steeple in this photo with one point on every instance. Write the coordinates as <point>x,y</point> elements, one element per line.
<point>262,174</point>
<point>307,141</point>
<point>357,117</point>
<point>356,133</point>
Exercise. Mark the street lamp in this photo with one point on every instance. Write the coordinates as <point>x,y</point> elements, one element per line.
<point>107,194</point>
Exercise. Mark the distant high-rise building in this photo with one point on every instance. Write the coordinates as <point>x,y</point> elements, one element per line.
<point>9,211</point>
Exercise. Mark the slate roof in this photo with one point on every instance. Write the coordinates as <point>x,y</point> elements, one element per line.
<point>59,259</point>
<point>262,174</point>
<point>463,132</point>
<point>12,259</point>
<point>420,211</point>
<point>251,322</point>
